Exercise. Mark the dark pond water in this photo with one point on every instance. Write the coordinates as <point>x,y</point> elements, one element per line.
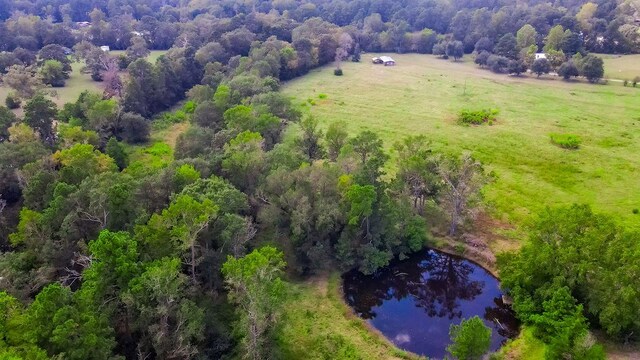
<point>413,302</point>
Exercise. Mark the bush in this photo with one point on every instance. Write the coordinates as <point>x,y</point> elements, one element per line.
<point>322,96</point>
<point>477,117</point>
<point>189,107</point>
<point>636,80</point>
<point>497,63</point>
<point>337,72</point>
<point>625,83</point>
<point>568,70</point>
<point>482,58</point>
<point>566,141</point>
<point>13,101</point>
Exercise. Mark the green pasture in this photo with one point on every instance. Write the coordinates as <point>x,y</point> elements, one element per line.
<point>422,95</point>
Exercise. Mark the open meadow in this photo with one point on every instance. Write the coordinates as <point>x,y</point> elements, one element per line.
<point>622,67</point>
<point>423,95</point>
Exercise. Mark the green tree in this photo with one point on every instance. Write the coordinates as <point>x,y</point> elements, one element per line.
<point>55,52</point>
<point>175,232</point>
<point>367,148</point>
<point>507,46</point>
<point>470,339</point>
<point>116,151</point>
<point>455,49</point>
<point>256,287</point>
<point>39,113</point>
<point>137,50</point>
<point>172,325</point>
<point>592,68</point>
<point>62,326</point>
<point>23,79</point>
<point>361,200</point>
<point>103,118</point>
<point>553,41</point>
<point>541,66</point>
<point>526,36</point>
<point>244,160</point>
<point>417,170</point>
<point>568,70</point>
<point>585,252</point>
<point>463,178</point>
<point>7,118</point>
<point>82,161</point>
<point>309,143</point>
<point>335,138</point>
<point>52,73</point>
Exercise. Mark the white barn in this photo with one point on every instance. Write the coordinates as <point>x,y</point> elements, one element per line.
<point>541,56</point>
<point>387,60</point>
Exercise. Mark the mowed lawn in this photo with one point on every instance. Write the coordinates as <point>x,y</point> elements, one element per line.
<point>423,95</point>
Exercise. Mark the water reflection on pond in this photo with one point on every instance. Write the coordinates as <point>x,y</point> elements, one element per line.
<point>413,302</point>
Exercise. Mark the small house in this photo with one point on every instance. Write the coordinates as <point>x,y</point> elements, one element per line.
<point>105,48</point>
<point>387,61</point>
<point>541,56</point>
<point>376,60</point>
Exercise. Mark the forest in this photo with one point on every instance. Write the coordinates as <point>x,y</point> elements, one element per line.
<point>114,245</point>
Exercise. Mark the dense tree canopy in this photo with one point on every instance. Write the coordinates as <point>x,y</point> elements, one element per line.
<point>122,236</point>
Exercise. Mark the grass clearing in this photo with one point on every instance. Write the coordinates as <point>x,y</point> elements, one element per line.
<point>424,95</point>
<point>623,67</point>
<point>77,82</point>
<point>317,324</point>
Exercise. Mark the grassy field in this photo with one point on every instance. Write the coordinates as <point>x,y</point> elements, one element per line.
<point>623,67</point>
<point>77,83</point>
<point>423,95</point>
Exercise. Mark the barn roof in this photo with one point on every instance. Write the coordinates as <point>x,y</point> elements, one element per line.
<point>386,59</point>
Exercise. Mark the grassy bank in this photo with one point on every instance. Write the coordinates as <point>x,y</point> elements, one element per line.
<point>317,324</point>
<point>423,95</point>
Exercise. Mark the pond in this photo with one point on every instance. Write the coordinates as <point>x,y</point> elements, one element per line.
<point>414,301</point>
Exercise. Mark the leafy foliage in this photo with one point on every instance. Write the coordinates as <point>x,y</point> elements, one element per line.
<point>470,339</point>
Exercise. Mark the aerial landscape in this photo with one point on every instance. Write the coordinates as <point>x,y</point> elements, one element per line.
<point>320,179</point>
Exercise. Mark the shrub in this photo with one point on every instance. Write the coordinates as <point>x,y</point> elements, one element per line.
<point>568,70</point>
<point>477,117</point>
<point>13,101</point>
<point>337,72</point>
<point>625,83</point>
<point>322,96</point>
<point>497,63</point>
<point>636,80</point>
<point>482,58</point>
<point>635,211</point>
<point>566,141</point>
<point>189,107</point>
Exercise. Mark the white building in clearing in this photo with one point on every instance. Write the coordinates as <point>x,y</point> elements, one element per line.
<point>541,56</point>
<point>105,48</point>
<point>387,61</point>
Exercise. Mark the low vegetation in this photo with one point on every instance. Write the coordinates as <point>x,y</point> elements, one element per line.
<point>478,117</point>
<point>566,141</point>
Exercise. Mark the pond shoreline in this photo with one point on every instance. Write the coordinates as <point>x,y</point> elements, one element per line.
<point>449,249</point>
